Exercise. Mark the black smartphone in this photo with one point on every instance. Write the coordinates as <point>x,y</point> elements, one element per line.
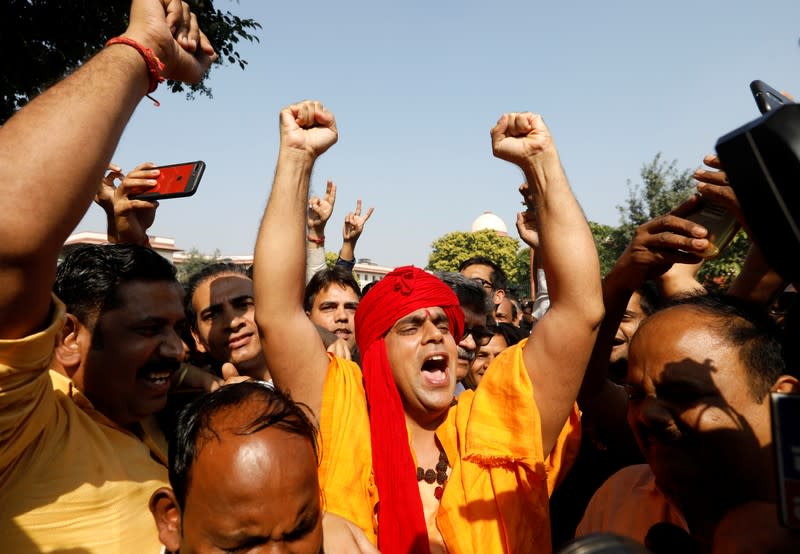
<point>786,441</point>
<point>767,98</point>
<point>175,181</point>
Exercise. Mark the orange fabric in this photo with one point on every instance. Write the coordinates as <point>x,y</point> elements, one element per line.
<point>496,499</point>
<point>70,480</point>
<point>629,504</point>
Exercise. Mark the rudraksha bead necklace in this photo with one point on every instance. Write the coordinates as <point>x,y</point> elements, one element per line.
<point>438,475</point>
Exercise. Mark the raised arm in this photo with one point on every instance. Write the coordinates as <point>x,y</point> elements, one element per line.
<point>293,348</point>
<point>526,228</point>
<point>319,212</point>
<point>353,227</point>
<point>657,246</point>
<point>54,150</point>
<point>559,348</point>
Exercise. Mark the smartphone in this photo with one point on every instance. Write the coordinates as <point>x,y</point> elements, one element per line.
<point>786,441</point>
<point>175,181</point>
<point>720,223</point>
<point>767,98</point>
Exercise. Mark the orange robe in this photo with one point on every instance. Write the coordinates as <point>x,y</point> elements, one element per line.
<point>496,499</point>
<point>629,503</point>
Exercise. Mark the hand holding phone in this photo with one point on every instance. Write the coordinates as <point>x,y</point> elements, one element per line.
<point>175,181</point>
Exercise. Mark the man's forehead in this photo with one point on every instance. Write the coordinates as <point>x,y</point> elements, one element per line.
<point>433,311</point>
<point>143,298</point>
<point>333,288</point>
<point>478,270</point>
<point>674,335</point>
<point>226,287</point>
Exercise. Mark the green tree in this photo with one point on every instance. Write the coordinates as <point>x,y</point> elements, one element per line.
<point>194,262</point>
<point>605,237</point>
<point>521,286</point>
<point>663,187</point>
<point>46,39</point>
<point>453,248</point>
<point>330,258</point>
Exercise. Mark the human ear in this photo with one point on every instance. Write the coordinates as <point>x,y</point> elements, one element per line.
<point>198,342</point>
<point>165,510</point>
<point>786,384</point>
<point>68,351</point>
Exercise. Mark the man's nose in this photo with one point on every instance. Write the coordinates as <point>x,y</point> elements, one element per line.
<point>341,314</point>
<point>172,346</point>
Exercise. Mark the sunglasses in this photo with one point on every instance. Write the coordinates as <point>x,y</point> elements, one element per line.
<point>488,285</point>
<point>481,335</point>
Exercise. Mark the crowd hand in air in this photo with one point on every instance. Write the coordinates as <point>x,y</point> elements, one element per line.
<point>131,217</point>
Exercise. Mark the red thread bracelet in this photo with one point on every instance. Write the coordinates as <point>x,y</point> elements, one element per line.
<point>318,241</point>
<point>154,65</point>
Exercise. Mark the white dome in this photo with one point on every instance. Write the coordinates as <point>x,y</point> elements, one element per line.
<point>488,220</point>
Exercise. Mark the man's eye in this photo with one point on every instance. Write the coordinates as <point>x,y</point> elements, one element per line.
<point>407,329</point>
<point>443,327</point>
<point>148,331</point>
<point>210,316</point>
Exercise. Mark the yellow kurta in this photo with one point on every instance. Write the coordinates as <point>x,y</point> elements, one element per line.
<point>496,499</point>
<point>70,480</point>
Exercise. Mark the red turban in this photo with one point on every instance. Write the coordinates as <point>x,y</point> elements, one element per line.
<point>401,521</point>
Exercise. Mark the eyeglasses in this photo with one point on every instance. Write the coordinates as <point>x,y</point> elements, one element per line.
<point>488,285</point>
<point>481,335</point>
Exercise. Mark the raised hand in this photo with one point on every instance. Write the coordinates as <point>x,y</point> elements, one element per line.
<point>526,228</point>
<point>320,209</point>
<point>660,243</point>
<point>715,186</point>
<point>517,137</point>
<point>354,223</point>
<point>105,192</point>
<point>526,221</point>
<point>307,127</point>
<point>170,29</point>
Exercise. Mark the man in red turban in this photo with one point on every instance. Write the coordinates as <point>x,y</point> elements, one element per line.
<point>485,465</point>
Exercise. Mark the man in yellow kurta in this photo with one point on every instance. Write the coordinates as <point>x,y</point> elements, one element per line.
<point>76,467</point>
<point>485,465</point>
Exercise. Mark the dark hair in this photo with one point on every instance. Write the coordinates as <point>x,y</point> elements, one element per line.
<point>514,309</point>
<point>469,293</point>
<point>747,328</point>
<point>326,277</point>
<point>195,427</point>
<point>88,279</point>
<point>510,332</point>
<point>200,276</point>
<point>499,279</point>
<point>649,298</point>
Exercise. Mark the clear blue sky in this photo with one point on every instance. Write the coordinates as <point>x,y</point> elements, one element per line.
<point>417,85</point>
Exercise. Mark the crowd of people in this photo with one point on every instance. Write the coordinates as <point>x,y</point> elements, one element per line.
<point>283,408</point>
